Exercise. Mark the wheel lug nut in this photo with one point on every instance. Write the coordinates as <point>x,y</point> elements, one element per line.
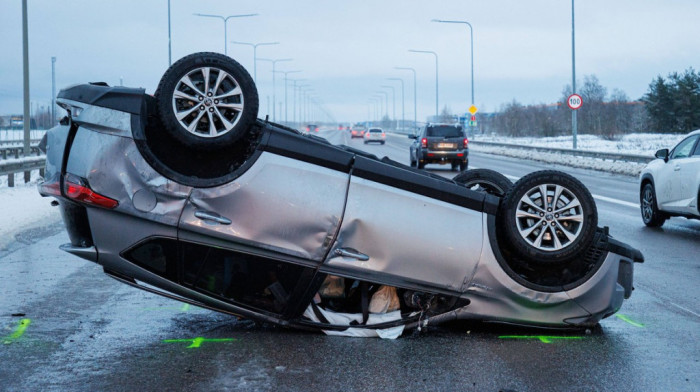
<point>201,107</point>
<point>556,215</point>
<point>549,209</point>
<point>201,98</point>
<point>211,110</point>
<point>216,101</point>
<point>541,213</point>
<point>544,223</point>
<point>553,224</point>
<point>208,94</point>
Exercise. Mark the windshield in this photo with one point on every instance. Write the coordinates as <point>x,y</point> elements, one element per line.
<point>375,130</point>
<point>444,131</point>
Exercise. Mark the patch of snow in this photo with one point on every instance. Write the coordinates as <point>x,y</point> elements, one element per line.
<point>22,208</point>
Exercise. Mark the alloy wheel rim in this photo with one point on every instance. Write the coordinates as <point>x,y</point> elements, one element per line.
<point>208,102</point>
<point>549,217</point>
<point>647,202</point>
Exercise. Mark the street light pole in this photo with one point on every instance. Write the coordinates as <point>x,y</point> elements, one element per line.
<point>255,54</point>
<point>415,105</point>
<point>285,91</point>
<point>386,107</point>
<point>274,102</point>
<point>170,49</point>
<point>436,76</point>
<point>573,74</point>
<point>393,99</point>
<point>471,46</point>
<point>25,62</point>
<point>225,19</point>
<point>53,91</point>
<point>403,112</point>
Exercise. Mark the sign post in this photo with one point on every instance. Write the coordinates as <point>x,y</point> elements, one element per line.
<point>574,101</point>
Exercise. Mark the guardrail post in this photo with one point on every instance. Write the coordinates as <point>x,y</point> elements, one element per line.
<point>27,177</point>
<point>11,180</point>
<point>41,173</point>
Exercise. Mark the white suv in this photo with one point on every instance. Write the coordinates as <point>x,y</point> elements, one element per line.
<point>670,185</point>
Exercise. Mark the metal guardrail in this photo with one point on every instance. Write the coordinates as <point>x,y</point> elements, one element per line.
<point>581,153</point>
<point>18,142</point>
<point>26,165</point>
<point>15,150</point>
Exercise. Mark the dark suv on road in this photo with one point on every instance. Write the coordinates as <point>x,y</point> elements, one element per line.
<point>440,143</point>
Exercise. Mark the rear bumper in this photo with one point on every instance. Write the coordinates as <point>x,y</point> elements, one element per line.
<point>443,156</point>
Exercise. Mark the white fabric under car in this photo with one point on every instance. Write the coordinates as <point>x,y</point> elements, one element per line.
<point>358,332</point>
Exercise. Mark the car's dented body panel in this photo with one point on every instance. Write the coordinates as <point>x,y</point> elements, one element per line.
<point>262,202</point>
<point>408,236</point>
<point>290,205</point>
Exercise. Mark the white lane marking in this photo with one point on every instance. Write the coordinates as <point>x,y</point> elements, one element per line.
<point>598,197</point>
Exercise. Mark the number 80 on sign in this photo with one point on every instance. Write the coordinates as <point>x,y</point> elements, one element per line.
<point>574,101</point>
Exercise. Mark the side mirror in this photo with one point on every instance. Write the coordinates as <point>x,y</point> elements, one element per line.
<point>662,154</point>
<point>413,136</point>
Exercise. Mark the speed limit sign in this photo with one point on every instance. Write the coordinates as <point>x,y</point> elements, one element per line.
<point>575,101</point>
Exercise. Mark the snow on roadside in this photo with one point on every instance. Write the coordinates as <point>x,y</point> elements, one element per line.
<point>22,208</point>
<point>625,168</point>
<point>634,143</point>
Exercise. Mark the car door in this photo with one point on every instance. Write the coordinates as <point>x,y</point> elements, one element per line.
<point>407,229</point>
<point>689,180</point>
<point>280,204</point>
<point>674,187</point>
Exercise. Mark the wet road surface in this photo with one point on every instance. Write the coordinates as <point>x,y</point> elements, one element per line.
<point>64,325</point>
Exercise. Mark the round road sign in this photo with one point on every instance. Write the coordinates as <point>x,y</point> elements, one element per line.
<point>575,101</point>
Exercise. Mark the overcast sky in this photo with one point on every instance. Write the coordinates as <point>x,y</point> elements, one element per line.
<point>347,49</point>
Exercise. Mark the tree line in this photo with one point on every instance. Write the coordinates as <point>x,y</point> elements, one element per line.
<point>671,105</point>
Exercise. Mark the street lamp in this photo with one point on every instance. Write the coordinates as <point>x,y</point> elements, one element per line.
<point>386,106</point>
<point>285,91</point>
<point>436,76</point>
<point>255,54</point>
<point>403,112</point>
<point>415,106</point>
<point>294,93</point>
<point>471,35</point>
<point>225,19</point>
<point>274,102</point>
<point>393,99</point>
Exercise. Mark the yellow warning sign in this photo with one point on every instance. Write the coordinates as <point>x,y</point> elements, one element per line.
<point>473,110</point>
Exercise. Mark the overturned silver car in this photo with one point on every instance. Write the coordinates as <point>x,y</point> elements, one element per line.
<point>188,195</point>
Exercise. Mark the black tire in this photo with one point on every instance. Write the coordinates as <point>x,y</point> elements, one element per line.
<point>484,180</point>
<point>546,233</point>
<point>421,165</point>
<point>651,216</point>
<point>230,104</point>
<point>455,165</point>
<point>463,165</point>
<point>413,163</point>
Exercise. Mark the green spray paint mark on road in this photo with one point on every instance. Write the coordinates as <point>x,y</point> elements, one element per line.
<point>185,307</point>
<point>542,338</point>
<point>196,342</point>
<point>629,320</point>
<point>23,324</point>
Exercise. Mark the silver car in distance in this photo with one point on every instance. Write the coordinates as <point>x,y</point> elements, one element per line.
<point>188,195</point>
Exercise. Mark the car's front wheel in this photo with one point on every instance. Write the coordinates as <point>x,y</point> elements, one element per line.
<point>548,217</point>
<point>207,101</point>
<point>651,215</point>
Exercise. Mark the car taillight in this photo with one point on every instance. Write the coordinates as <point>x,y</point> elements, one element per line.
<point>78,189</point>
<point>466,142</point>
<point>50,188</point>
<point>424,143</point>
<point>308,129</point>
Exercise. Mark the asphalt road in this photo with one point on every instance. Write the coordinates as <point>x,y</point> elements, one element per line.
<point>64,325</point>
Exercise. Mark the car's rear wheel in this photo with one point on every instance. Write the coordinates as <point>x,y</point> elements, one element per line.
<point>421,165</point>
<point>484,180</point>
<point>207,101</point>
<point>548,217</point>
<point>651,215</point>
<point>463,165</point>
